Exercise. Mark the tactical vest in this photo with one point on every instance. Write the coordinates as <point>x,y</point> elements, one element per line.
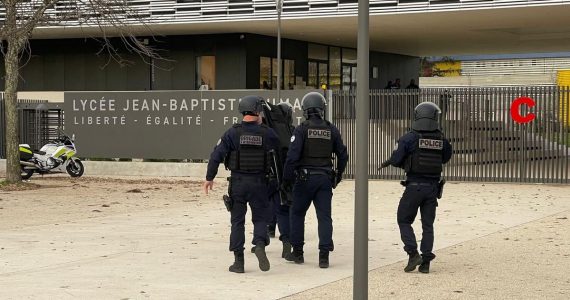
<point>318,146</point>
<point>251,155</point>
<point>427,158</point>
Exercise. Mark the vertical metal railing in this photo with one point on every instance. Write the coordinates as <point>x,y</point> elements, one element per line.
<point>488,144</point>
<point>37,127</point>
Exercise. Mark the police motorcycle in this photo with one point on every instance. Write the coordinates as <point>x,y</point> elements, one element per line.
<point>56,156</point>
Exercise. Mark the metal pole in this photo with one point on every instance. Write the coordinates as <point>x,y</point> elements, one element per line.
<point>360,284</point>
<point>279,8</point>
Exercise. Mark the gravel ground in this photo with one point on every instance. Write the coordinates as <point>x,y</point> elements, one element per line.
<point>61,199</point>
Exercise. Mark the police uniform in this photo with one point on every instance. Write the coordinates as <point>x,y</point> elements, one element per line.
<point>309,165</point>
<point>421,153</point>
<point>244,148</point>
<point>281,211</point>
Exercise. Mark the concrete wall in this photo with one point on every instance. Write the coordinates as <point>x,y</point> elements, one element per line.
<point>81,65</point>
<point>49,96</point>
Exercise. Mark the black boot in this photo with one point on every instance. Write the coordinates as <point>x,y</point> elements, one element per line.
<point>237,267</point>
<point>323,259</point>
<point>286,249</point>
<point>262,257</point>
<point>253,249</point>
<point>424,267</point>
<point>296,256</point>
<point>414,260</point>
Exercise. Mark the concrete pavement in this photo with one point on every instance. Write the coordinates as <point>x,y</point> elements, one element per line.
<point>180,251</point>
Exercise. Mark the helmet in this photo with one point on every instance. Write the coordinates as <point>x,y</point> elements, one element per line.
<point>426,117</point>
<point>287,111</point>
<point>251,105</point>
<point>313,104</point>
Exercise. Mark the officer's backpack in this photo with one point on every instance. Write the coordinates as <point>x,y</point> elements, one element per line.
<point>276,118</point>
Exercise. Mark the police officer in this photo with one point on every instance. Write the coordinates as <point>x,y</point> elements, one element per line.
<point>310,158</point>
<point>280,211</point>
<point>244,147</point>
<point>421,153</point>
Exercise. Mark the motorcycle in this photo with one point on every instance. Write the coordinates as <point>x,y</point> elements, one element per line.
<point>57,156</point>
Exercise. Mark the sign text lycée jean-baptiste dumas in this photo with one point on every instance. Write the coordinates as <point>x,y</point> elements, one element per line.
<point>158,124</point>
<point>159,105</point>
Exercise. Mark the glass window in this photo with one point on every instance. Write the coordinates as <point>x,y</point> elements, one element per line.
<point>348,56</point>
<point>313,74</point>
<point>318,52</point>
<point>289,74</point>
<point>268,73</point>
<point>323,70</point>
<point>274,74</point>
<point>346,76</point>
<point>334,69</point>
<point>206,72</point>
<point>265,73</point>
<point>353,79</point>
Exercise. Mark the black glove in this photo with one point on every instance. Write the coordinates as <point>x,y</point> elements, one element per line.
<point>287,186</point>
<point>338,179</point>
<point>385,164</point>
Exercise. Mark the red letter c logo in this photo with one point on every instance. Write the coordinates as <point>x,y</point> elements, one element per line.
<point>515,112</point>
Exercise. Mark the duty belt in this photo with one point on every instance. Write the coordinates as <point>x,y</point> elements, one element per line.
<point>259,178</point>
<point>422,183</point>
<point>318,172</point>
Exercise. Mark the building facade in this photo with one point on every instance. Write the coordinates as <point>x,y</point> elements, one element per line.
<point>231,44</point>
<point>500,70</point>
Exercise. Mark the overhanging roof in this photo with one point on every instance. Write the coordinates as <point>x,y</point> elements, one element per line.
<point>481,31</point>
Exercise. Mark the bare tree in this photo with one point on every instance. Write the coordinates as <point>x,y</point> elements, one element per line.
<point>23,18</point>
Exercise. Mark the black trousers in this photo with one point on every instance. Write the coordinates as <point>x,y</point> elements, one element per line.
<point>318,190</point>
<point>279,215</point>
<point>252,190</point>
<point>424,198</point>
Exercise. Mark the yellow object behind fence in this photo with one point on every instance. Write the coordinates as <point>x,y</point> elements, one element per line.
<point>564,81</point>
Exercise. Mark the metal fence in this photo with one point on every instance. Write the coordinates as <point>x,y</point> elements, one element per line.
<point>39,122</point>
<point>487,144</point>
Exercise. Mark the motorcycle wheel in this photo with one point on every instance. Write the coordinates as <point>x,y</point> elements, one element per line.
<point>26,174</point>
<point>75,168</point>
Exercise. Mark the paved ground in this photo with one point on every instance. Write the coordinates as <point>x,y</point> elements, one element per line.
<point>96,238</point>
<point>529,261</point>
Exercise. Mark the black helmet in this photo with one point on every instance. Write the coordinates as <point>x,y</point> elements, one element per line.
<point>287,111</point>
<point>313,104</point>
<point>251,105</point>
<point>426,117</point>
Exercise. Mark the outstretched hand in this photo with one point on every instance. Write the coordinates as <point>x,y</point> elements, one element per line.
<point>338,179</point>
<point>208,185</point>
